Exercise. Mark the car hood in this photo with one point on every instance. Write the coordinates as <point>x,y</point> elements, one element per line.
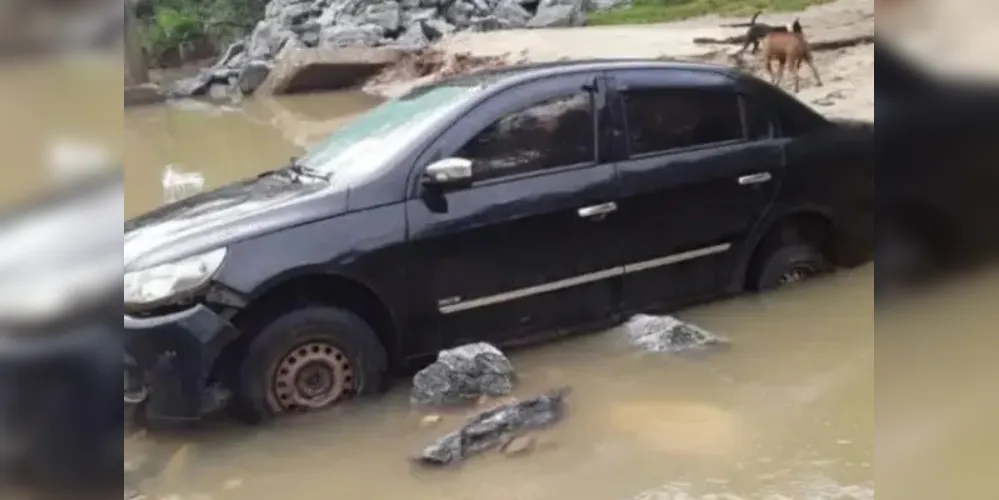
<point>226,215</point>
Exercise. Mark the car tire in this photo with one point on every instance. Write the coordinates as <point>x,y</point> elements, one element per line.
<point>787,264</point>
<point>308,359</point>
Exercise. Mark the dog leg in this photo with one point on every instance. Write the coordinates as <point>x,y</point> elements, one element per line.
<point>767,67</point>
<point>781,67</point>
<point>815,72</point>
<point>744,47</point>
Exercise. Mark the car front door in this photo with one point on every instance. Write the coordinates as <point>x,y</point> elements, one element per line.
<point>522,250</point>
<point>700,172</point>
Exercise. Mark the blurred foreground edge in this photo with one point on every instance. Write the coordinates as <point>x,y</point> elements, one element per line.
<point>937,157</point>
<point>61,413</point>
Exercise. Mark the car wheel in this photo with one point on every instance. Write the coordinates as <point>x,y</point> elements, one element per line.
<point>307,360</point>
<point>786,265</point>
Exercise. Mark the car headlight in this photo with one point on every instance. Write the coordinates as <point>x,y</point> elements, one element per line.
<point>164,281</point>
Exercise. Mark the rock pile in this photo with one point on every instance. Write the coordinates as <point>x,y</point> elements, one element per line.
<point>404,25</point>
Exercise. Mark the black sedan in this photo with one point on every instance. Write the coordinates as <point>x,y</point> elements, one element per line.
<point>504,207</point>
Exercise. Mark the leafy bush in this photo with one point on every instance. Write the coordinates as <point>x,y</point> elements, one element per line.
<point>175,23</point>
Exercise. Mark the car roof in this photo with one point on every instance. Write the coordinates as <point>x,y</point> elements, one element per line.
<point>511,75</point>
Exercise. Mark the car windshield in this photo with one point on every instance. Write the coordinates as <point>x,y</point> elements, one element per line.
<point>366,144</point>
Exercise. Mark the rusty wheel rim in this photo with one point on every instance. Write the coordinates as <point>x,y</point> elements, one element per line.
<point>797,274</point>
<point>312,376</point>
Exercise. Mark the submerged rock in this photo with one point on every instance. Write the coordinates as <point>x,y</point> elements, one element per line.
<point>668,334</point>
<point>498,427</point>
<point>462,375</point>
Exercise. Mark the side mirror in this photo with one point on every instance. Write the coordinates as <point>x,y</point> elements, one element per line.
<point>448,171</point>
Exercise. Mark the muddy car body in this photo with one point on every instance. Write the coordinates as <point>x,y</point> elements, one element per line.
<point>938,172</point>
<point>463,211</point>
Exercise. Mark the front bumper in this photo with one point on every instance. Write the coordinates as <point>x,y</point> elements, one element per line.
<point>169,359</point>
<point>60,416</point>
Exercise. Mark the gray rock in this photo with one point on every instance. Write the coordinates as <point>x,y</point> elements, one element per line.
<point>146,93</point>
<point>238,61</point>
<point>492,428</point>
<point>310,26</point>
<point>276,7</point>
<point>194,86</point>
<point>231,53</point>
<point>253,75</point>
<point>511,14</point>
<point>386,16</point>
<point>420,14</point>
<point>437,28</point>
<point>294,15</point>
<point>464,374</point>
<point>310,39</point>
<point>460,14</point>
<point>559,13</point>
<point>668,334</point>
<point>413,39</point>
<point>262,41</point>
<point>607,4</point>
<point>367,35</point>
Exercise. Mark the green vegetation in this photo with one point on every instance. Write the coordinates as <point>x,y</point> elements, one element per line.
<point>658,11</point>
<point>171,29</point>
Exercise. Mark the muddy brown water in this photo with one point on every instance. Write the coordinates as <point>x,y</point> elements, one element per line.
<point>787,413</point>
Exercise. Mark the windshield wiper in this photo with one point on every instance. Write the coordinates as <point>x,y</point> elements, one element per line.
<point>303,171</point>
<point>297,171</point>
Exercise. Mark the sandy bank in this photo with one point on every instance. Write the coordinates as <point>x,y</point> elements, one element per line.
<point>848,72</point>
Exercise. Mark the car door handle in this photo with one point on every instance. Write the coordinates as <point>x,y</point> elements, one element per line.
<point>597,210</point>
<point>759,178</point>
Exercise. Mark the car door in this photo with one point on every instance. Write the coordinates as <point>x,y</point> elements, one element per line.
<point>701,170</point>
<point>521,250</point>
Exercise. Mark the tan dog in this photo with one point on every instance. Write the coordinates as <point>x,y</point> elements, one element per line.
<point>790,50</point>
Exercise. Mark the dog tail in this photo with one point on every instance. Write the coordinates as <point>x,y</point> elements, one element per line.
<point>756,15</point>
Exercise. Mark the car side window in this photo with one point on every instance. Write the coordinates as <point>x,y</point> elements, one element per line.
<point>661,119</point>
<point>553,133</point>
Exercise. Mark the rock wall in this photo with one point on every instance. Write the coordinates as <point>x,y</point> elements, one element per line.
<point>403,25</point>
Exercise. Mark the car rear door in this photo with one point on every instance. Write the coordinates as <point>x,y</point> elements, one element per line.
<point>701,169</point>
<point>524,249</point>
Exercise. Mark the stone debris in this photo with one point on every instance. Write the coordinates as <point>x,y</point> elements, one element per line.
<point>462,375</point>
<point>504,427</point>
<point>406,25</point>
<point>428,66</point>
<point>668,334</point>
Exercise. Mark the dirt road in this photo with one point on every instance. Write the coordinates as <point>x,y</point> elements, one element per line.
<point>848,72</point>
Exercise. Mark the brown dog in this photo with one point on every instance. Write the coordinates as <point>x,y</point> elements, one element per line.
<point>790,50</point>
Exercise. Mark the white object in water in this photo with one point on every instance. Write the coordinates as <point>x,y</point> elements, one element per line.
<point>70,159</point>
<point>178,184</point>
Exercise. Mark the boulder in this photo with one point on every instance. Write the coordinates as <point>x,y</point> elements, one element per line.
<point>497,427</point>
<point>668,334</point>
<point>230,57</point>
<point>559,13</point>
<point>252,76</point>
<point>140,95</point>
<point>387,16</point>
<point>464,374</point>
<point>311,69</point>
<point>367,35</point>
<point>196,85</point>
